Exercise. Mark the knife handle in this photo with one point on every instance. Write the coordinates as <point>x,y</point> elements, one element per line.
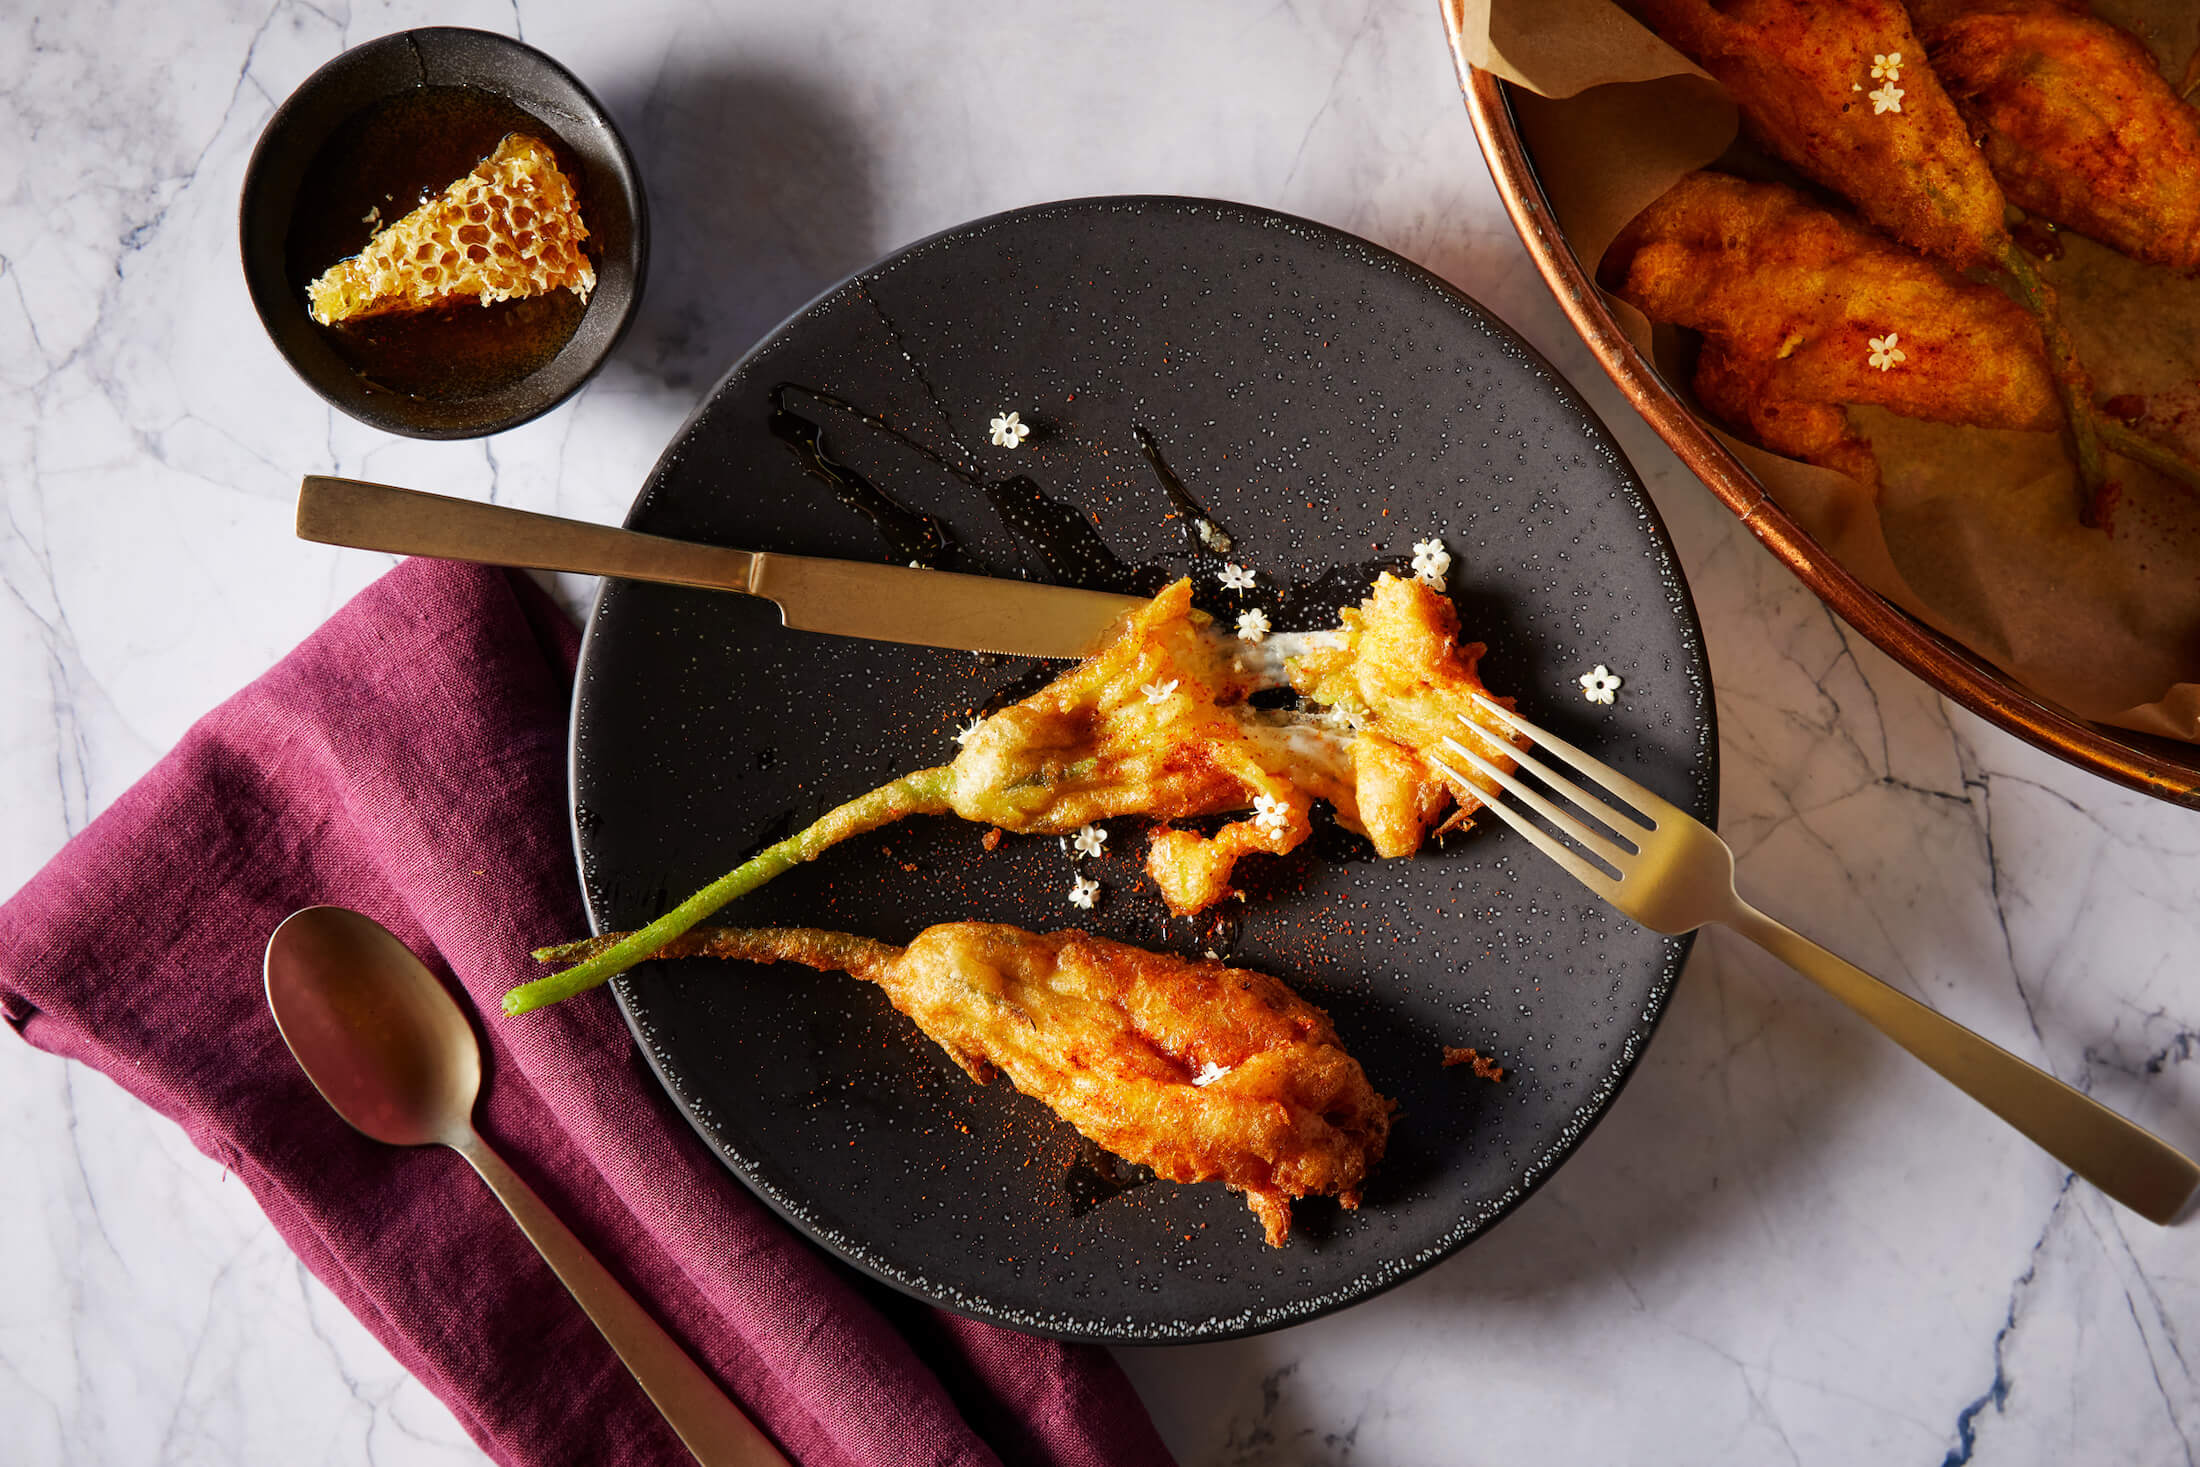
<point>363,516</point>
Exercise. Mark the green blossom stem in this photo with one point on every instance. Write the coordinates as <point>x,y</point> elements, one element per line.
<point>2063,365</point>
<point>814,947</point>
<point>921,793</point>
<point>2139,448</point>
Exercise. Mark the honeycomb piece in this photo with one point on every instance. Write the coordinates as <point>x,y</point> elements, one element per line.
<point>509,228</point>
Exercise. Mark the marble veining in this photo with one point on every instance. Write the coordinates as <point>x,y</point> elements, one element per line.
<point>1787,1243</point>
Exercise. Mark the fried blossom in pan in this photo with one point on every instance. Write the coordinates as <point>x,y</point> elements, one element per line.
<point>1842,90</point>
<point>1804,310</point>
<point>1161,722</point>
<point>2075,120</point>
<point>1819,85</point>
<point>1790,297</point>
<point>1198,1070</point>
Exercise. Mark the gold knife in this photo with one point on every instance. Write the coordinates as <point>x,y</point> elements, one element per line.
<point>887,603</point>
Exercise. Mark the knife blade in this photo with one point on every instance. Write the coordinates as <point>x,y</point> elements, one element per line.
<point>886,603</point>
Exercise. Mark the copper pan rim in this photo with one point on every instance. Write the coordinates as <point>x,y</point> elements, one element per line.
<point>2159,767</point>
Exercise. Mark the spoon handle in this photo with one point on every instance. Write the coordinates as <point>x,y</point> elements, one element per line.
<point>711,1426</point>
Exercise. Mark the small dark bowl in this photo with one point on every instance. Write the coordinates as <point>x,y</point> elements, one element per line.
<point>577,126</point>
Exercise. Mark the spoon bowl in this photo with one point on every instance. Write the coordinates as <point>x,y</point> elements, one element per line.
<point>373,1029</point>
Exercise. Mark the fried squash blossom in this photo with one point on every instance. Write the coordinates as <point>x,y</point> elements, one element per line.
<point>1203,1072</point>
<point>1161,722</point>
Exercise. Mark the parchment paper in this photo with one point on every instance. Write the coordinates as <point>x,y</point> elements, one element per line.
<point>1974,532</point>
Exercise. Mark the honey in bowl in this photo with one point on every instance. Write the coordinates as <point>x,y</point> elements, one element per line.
<point>376,169</point>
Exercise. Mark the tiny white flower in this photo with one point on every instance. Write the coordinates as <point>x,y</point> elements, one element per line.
<point>1236,578</point>
<point>1887,99</point>
<point>1431,562</point>
<point>1160,692</point>
<point>1252,625</point>
<point>964,734</point>
<point>1885,353</point>
<point>1211,535</point>
<point>1084,892</point>
<point>1271,814</point>
<point>1888,66</point>
<point>1090,840</point>
<point>1010,430</point>
<point>1209,1073</point>
<point>1599,685</point>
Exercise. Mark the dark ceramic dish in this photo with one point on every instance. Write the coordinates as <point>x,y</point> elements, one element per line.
<point>281,184</point>
<point>1328,403</point>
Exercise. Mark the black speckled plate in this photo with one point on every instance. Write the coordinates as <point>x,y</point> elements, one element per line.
<point>1329,404</point>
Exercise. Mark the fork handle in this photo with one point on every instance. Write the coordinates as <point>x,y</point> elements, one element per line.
<point>2131,1165</point>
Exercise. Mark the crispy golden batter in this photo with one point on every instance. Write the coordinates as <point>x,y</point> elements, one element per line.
<point>1204,1072</point>
<point>1790,297</point>
<point>1801,72</point>
<point>1485,1068</point>
<point>1399,673</point>
<point>1095,743</point>
<point>2075,120</point>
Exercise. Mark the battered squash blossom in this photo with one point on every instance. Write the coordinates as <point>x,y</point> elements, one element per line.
<point>1795,300</point>
<point>1380,691</point>
<point>1201,1071</point>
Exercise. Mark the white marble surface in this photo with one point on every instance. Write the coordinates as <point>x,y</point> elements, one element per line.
<point>1787,1244</point>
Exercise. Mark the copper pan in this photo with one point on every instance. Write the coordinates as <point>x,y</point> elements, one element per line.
<point>2161,767</point>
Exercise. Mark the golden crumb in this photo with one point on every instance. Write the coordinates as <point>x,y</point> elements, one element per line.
<point>510,228</point>
<point>1484,1067</point>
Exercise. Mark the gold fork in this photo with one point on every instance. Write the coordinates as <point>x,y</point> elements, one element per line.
<point>1670,872</point>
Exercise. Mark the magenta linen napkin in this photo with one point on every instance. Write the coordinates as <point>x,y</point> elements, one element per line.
<point>409,760</point>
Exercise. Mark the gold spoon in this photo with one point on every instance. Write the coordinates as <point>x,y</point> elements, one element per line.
<point>387,1047</point>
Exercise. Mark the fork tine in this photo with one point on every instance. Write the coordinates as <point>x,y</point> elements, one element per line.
<point>1629,830</point>
<point>1652,809</point>
<point>1565,820</point>
<point>1585,871</point>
